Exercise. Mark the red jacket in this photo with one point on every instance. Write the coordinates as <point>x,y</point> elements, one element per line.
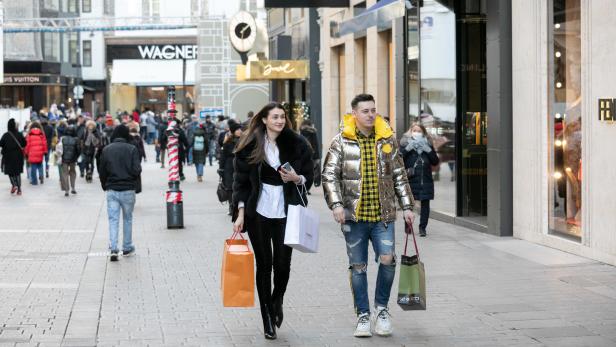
<point>36,146</point>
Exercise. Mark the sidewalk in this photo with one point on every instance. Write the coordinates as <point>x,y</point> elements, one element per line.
<point>57,286</point>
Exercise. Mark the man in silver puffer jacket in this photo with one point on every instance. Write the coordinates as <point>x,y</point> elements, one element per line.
<point>363,174</point>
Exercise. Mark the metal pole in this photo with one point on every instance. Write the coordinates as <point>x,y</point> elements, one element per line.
<point>175,206</point>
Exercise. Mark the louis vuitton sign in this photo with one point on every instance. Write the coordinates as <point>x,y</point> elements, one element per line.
<point>274,70</point>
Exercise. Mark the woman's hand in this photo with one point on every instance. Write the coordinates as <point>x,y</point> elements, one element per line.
<point>238,225</point>
<point>289,176</point>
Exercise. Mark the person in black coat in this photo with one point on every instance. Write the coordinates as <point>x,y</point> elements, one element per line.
<point>419,157</point>
<point>48,130</point>
<point>262,191</point>
<point>309,132</point>
<point>13,143</point>
<point>225,168</point>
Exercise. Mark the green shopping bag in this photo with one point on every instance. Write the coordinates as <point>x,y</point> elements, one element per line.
<point>412,286</point>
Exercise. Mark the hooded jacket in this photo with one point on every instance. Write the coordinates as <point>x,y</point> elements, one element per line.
<point>342,172</point>
<point>36,146</point>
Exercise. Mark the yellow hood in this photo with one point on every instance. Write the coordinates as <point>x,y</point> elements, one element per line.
<point>382,130</point>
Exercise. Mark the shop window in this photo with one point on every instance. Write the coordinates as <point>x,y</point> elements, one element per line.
<point>564,118</point>
<point>87,52</point>
<point>86,6</point>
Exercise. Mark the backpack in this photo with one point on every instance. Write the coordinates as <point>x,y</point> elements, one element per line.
<point>69,149</point>
<point>199,143</point>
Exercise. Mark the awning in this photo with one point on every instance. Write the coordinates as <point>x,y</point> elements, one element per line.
<point>152,72</point>
<point>380,15</point>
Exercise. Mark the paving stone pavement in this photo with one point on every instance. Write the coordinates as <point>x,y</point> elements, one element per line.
<point>57,287</point>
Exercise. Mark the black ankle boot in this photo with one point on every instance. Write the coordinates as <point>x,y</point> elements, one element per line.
<point>269,329</point>
<point>278,315</point>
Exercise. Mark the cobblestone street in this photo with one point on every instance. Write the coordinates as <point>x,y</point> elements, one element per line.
<point>57,286</point>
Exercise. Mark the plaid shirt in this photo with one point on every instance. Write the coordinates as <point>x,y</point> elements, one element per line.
<point>369,209</point>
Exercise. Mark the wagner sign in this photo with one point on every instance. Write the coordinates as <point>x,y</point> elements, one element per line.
<point>152,52</point>
<point>274,70</point>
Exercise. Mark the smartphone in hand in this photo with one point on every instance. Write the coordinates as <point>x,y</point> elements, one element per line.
<point>287,167</point>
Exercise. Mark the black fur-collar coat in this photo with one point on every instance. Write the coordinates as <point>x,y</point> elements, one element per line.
<point>292,148</point>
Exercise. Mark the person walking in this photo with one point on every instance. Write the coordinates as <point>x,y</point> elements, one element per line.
<point>136,140</point>
<point>12,164</point>
<point>119,172</point>
<point>48,130</point>
<point>200,148</point>
<point>69,149</point>
<point>211,133</point>
<point>309,132</point>
<point>151,125</point>
<point>262,191</point>
<point>161,142</point>
<point>190,134</point>
<point>92,143</point>
<point>225,164</point>
<point>419,157</point>
<point>36,147</point>
<point>363,174</point>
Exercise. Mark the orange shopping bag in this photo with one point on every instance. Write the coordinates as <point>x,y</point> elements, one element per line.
<point>238,273</point>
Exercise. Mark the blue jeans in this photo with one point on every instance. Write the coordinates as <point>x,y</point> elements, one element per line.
<point>34,168</point>
<point>151,137</point>
<point>357,236</point>
<point>124,201</point>
<point>199,168</point>
<point>190,155</point>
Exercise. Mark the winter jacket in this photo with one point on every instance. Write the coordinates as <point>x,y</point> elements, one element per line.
<point>421,181</point>
<point>120,166</point>
<point>12,154</point>
<point>70,149</point>
<point>200,155</point>
<point>36,146</point>
<point>48,130</point>
<point>226,162</point>
<point>310,133</point>
<point>138,142</point>
<point>151,124</point>
<point>247,176</point>
<point>342,172</point>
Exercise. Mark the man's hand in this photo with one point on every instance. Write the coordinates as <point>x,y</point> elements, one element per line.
<point>409,217</point>
<point>339,214</point>
<point>238,225</point>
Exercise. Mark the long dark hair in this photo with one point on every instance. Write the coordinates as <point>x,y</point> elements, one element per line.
<point>256,133</point>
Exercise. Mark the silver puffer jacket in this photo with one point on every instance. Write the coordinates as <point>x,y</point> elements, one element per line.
<point>342,172</point>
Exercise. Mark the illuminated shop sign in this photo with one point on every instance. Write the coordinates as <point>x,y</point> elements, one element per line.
<point>34,80</point>
<point>606,110</point>
<point>152,52</point>
<point>273,70</point>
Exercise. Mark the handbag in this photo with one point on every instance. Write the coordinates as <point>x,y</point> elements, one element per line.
<point>302,229</point>
<point>222,192</point>
<point>237,274</point>
<point>412,284</point>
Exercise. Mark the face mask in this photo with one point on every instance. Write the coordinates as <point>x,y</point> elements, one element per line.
<point>417,135</point>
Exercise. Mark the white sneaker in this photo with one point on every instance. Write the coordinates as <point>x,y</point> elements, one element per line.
<point>363,328</point>
<point>382,322</point>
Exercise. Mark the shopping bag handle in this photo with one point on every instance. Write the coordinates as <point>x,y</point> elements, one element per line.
<point>409,227</point>
<point>236,234</point>
<point>300,193</point>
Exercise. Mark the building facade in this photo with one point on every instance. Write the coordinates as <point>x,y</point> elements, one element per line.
<point>40,69</point>
<point>443,64</point>
<point>564,130</point>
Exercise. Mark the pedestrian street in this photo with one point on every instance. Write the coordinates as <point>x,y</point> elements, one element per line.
<point>58,288</point>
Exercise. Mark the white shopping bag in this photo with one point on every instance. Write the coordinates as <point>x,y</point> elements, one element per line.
<point>302,230</point>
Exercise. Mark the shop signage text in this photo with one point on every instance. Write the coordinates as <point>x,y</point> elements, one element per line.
<point>152,52</point>
<point>34,79</point>
<point>606,110</point>
<point>274,70</point>
<point>168,52</point>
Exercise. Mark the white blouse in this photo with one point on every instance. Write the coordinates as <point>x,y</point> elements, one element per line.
<point>271,201</point>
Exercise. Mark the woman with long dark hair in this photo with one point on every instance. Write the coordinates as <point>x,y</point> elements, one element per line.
<point>272,163</point>
<point>13,144</point>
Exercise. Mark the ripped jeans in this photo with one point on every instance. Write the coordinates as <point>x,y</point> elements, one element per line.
<point>357,235</point>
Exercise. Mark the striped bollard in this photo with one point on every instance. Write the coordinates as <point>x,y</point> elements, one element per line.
<point>175,208</point>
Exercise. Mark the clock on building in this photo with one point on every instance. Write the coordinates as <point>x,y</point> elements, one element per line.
<point>242,31</point>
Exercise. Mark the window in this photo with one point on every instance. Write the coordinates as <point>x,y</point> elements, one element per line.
<point>51,43</point>
<point>108,7</point>
<point>151,8</point>
<point>53,5</point>
<point>87,52</point>
<point>564,118</point>
<point>73,49</point>
<point>86,6</point>
<point>72,6</point>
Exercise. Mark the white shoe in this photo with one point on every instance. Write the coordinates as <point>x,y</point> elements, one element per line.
<point>363,328</point>
<point>382,322</point>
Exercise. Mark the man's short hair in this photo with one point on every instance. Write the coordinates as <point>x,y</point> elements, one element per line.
<point>361,98</point>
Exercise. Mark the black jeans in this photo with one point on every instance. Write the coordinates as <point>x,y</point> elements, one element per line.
<point>267,241</point>
<point>425,214</point>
